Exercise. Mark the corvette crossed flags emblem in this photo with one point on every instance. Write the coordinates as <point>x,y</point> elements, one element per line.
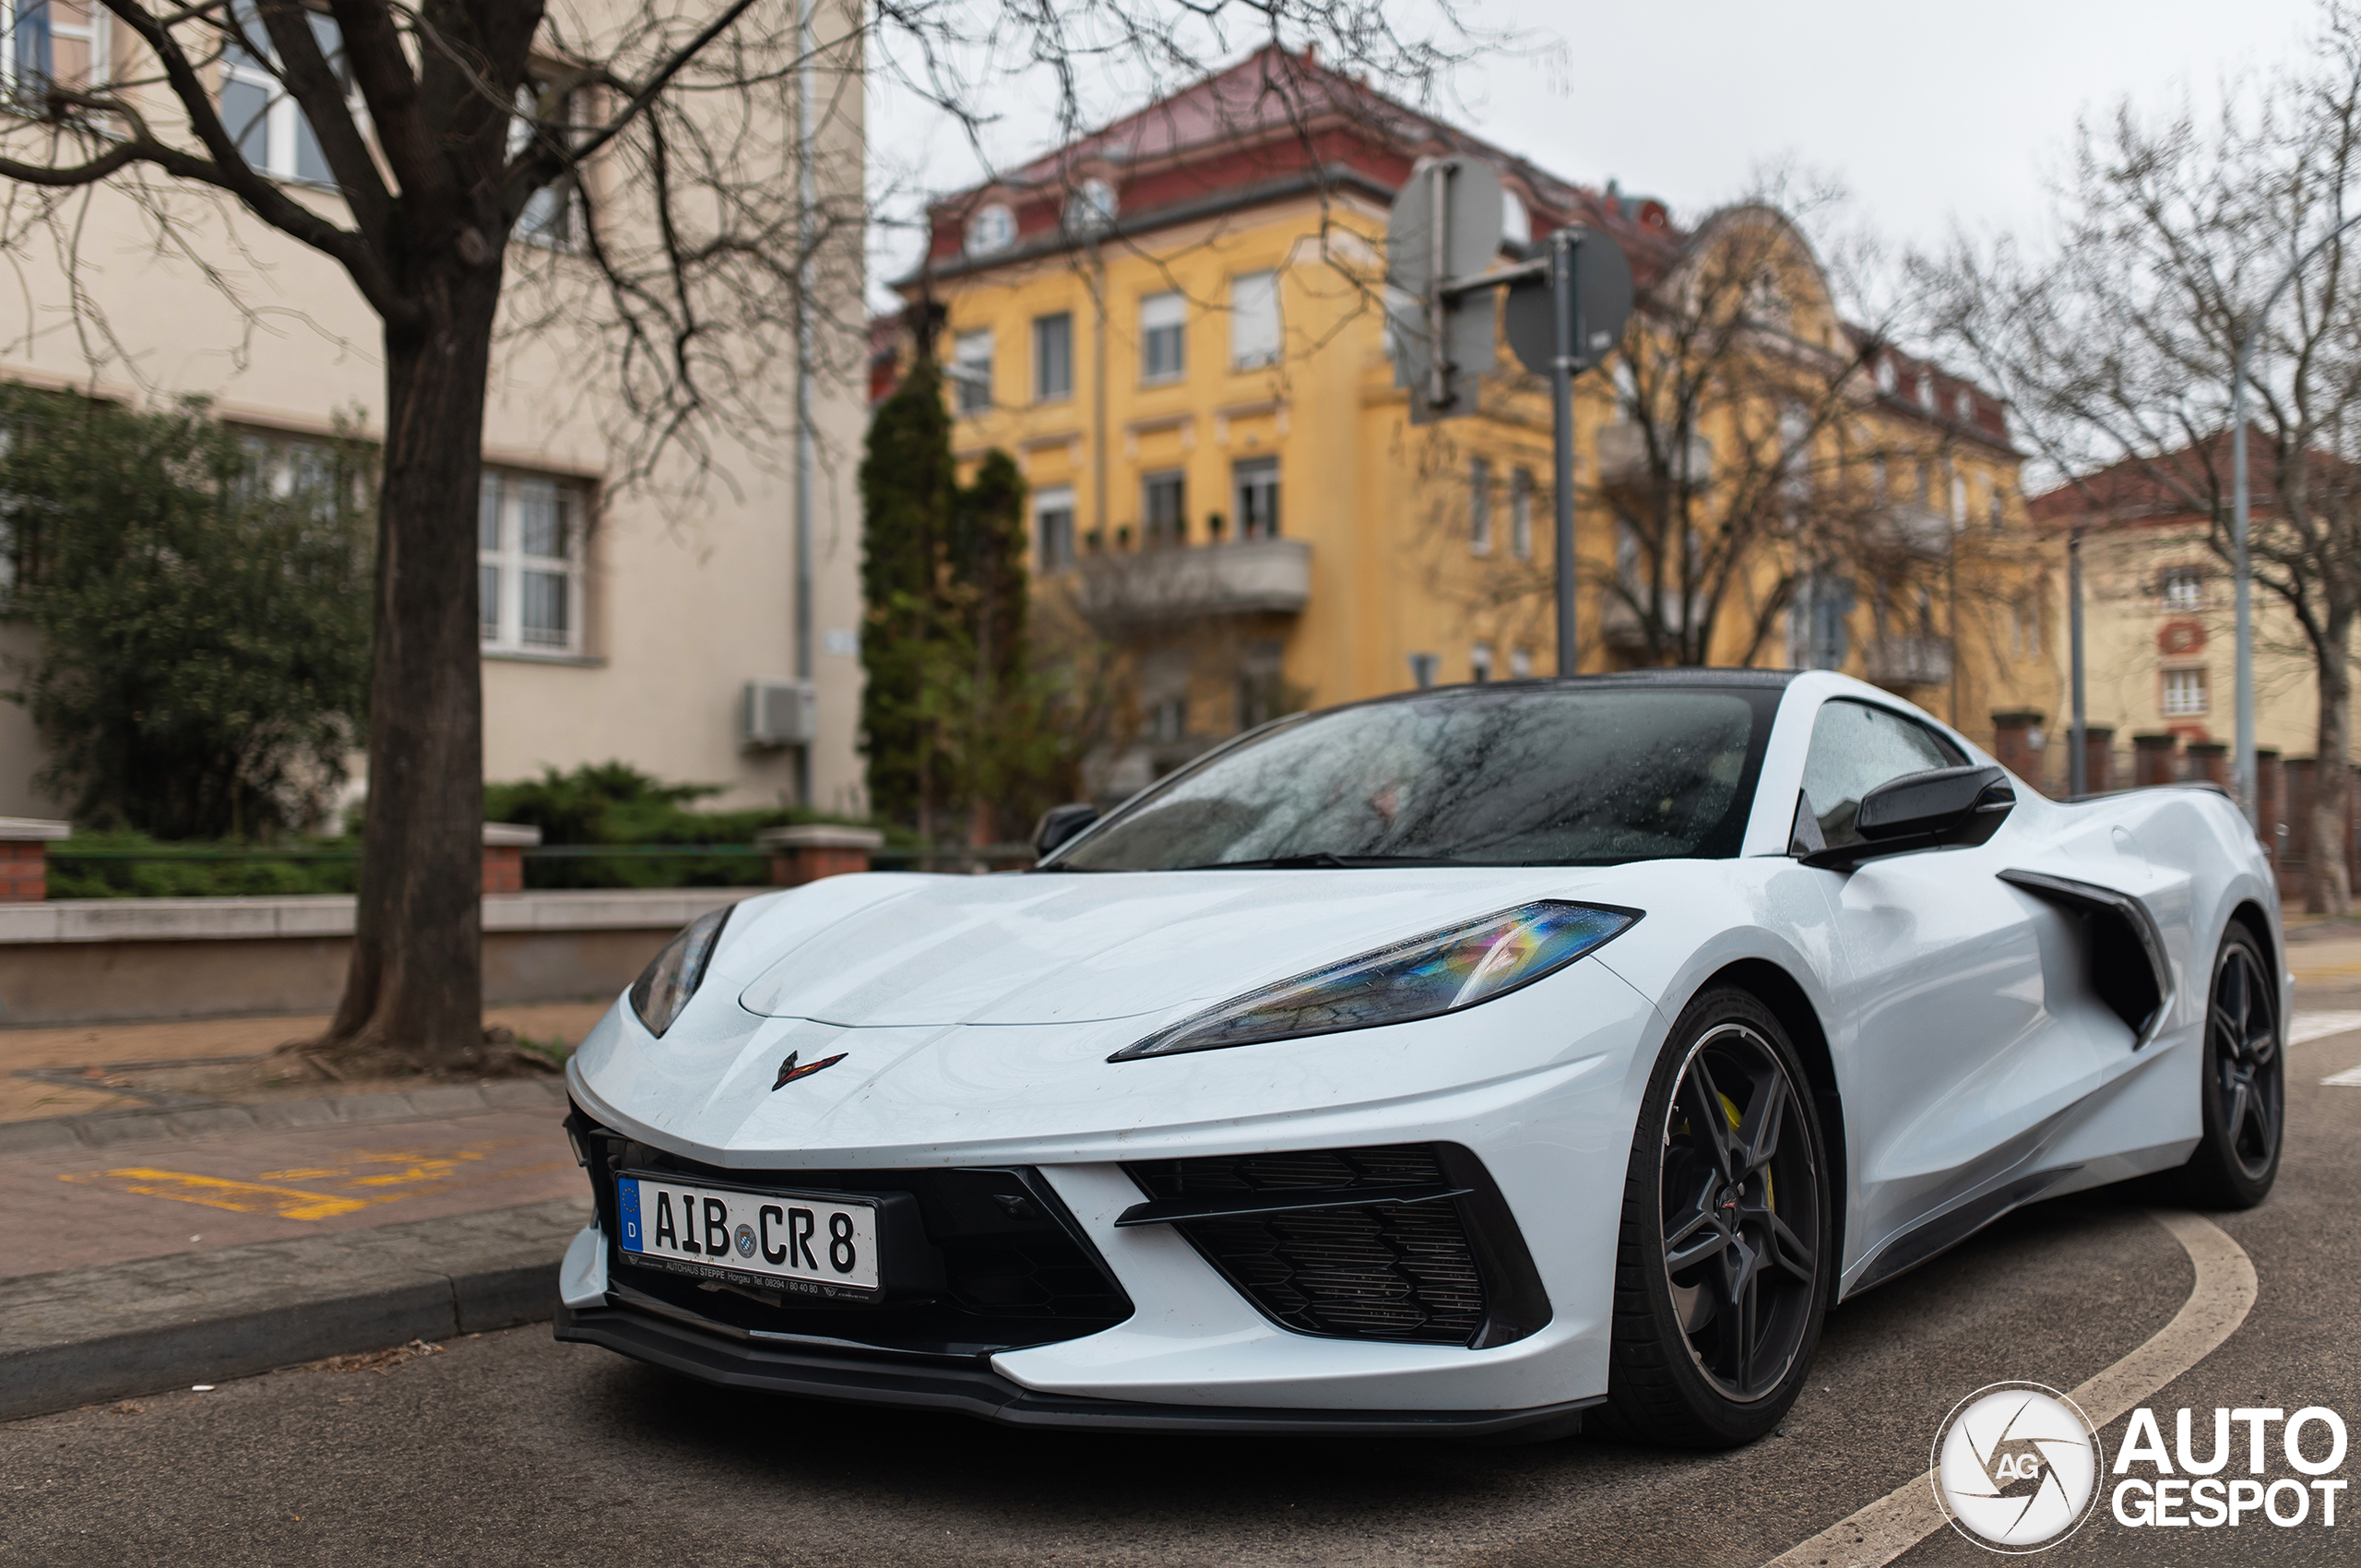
<point>788,1071</point>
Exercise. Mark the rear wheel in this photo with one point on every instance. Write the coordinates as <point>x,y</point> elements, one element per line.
<point>1724,1268</point>
<point>2243,1094</point>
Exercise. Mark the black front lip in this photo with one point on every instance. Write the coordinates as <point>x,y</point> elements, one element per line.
<point>979,1392</point>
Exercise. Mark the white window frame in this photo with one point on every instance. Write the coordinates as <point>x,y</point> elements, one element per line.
<point>971,355</point>
<point>1162,313</point>
<point>1521,489</point>
<point>2183,588</point>
<point>1520,664</point>
<point>1244,473</point>
<point>990,231</point>
<point>1157,531</point>
<point>2186,693</point>
<point>534,228</point>
<point>1043,392</point>
<point>98,34</point>
<point>1479,663</point>
<point>1046,503</point>
<point>283,121</point>
<point>502,620</point>
<point>1479,505</point>
<point>1257,330</point>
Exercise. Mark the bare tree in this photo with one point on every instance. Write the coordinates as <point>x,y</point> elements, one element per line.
<point>2117,344</point>
<point>686,137</point>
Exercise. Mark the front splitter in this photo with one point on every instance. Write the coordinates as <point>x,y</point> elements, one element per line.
<point>979,1392</point>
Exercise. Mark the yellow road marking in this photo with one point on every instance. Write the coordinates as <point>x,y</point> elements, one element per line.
<point>241,1197</point>
<point>416,1167</point>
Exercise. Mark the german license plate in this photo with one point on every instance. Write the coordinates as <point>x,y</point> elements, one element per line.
<point>807,1243</point>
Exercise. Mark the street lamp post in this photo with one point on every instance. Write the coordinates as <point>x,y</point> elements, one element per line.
<point>2241,567</point>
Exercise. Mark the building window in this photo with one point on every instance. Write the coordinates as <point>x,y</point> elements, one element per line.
<point>1424,669</point>
<point>1521,514</point>
<point>548,216</point>
<point>1817,622</point>
<point>528,555</point>
<point>1091,207</point>
<point>1479,663</point>
<point>1255,482</point>
<point>992,228</point>
<point>1997,522</point>
<point>1053,527</point>
<point>1926,391</point>
<point>1163,318</point>
<point>1877,480</point>
<point>1521,663</point>
<point>1885,376</point>
<point>1964,406</point>
<point>43,42</point>
<point>1253,319</point>
<point>2183,588</point>
<point>1052,357</point>
<point>972,370</point>
<point>2184,692</point>
<point>1165,506</point>
<point>2026,626</point>
<point>271,133</point>
<point>1479,506</point>
<point>1959,501</point>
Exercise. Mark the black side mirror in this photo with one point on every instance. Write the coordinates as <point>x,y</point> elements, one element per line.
<point>1945,807</point>
<point>1060,824</point>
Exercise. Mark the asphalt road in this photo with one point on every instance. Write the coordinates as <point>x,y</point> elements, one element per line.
<point>513,1449</point>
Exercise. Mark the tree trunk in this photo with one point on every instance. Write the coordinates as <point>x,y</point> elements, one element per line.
<point>2329,890</point>
<point>414,993</point>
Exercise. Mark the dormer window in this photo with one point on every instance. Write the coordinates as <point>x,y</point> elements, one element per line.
<point>1927,392</point>
<point>1516,221</point>
<point>1964,408</point>
<point>1885,376</point>
<point>1091,207</point>
<point>991,230</point>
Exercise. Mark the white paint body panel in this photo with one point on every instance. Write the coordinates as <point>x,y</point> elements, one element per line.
<point>976,1016</point>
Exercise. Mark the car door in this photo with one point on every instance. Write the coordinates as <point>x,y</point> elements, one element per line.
<point>1943,1027</point>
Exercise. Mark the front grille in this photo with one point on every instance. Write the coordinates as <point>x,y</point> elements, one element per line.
<point>1357,1268</point>
<point>1015,1267</point>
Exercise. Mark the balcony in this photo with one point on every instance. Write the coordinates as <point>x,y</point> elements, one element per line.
<point>1623,459</point>
<point>1264,576</point>
<point>1918,530</point>
<point>1895,662</point>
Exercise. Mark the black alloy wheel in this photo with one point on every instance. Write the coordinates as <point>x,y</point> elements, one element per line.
<point>2243,1096</point>
<point>1726,1267</point>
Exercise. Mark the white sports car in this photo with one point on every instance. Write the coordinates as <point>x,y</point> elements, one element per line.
<point>1458,1062</point>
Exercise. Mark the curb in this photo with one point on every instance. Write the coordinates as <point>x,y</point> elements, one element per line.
<point>105,1129</point>
<point>82,1336</point>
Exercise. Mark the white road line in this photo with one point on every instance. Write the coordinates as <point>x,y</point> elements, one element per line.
<point>2348,1079</point>
<point>2302,1027</point>
<point>2217,1303</point>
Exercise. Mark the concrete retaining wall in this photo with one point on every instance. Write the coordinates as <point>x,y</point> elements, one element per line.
<point>114,960</point>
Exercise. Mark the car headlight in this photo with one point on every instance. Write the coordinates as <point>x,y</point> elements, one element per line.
<point>673,975</point>
<point>1424,976</point>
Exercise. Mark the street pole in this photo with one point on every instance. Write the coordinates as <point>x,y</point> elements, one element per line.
<point>1561,409</point>
<point>2241,566</point>
<point>2078,765</point>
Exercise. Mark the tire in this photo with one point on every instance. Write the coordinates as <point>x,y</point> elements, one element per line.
<point>1752,1254</point>
<point>2242,1088</point>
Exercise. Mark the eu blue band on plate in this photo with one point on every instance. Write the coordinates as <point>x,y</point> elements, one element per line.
<point>627,1200</point>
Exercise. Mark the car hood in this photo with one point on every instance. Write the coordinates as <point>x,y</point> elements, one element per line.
<point>901,951</point>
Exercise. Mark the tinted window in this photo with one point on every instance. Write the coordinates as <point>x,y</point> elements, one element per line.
<point>1506,778</point>
<point>1855,748</point>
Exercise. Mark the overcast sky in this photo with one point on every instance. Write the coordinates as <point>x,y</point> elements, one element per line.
<point>1929,116</point>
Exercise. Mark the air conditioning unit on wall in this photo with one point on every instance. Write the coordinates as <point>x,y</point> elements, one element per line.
<point>778,713</point>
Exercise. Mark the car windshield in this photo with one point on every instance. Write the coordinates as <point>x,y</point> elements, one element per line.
<point>1547,776</point>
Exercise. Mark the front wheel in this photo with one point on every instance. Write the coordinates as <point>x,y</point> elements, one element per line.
<point>1725,1261</point>
<point>2242,1097</point>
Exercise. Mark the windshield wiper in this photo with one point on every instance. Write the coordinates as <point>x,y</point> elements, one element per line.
<point>1325,860</point>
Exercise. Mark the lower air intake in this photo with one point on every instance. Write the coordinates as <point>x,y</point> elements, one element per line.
<point>1342,1261</point>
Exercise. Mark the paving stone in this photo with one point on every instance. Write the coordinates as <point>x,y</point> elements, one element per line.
<point>454,1100</point>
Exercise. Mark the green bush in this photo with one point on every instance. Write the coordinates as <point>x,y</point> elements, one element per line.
<point>614,804</point>
<point>89,866</point>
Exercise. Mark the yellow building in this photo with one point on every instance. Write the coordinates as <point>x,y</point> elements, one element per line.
<point>1178,325</point>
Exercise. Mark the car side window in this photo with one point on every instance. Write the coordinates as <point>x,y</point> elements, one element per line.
<point>1856,747</point>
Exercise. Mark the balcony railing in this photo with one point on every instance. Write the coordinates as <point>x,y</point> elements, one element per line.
<point>1623,459</point>
<point>1909,662</point>
<point>1264,576</point>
